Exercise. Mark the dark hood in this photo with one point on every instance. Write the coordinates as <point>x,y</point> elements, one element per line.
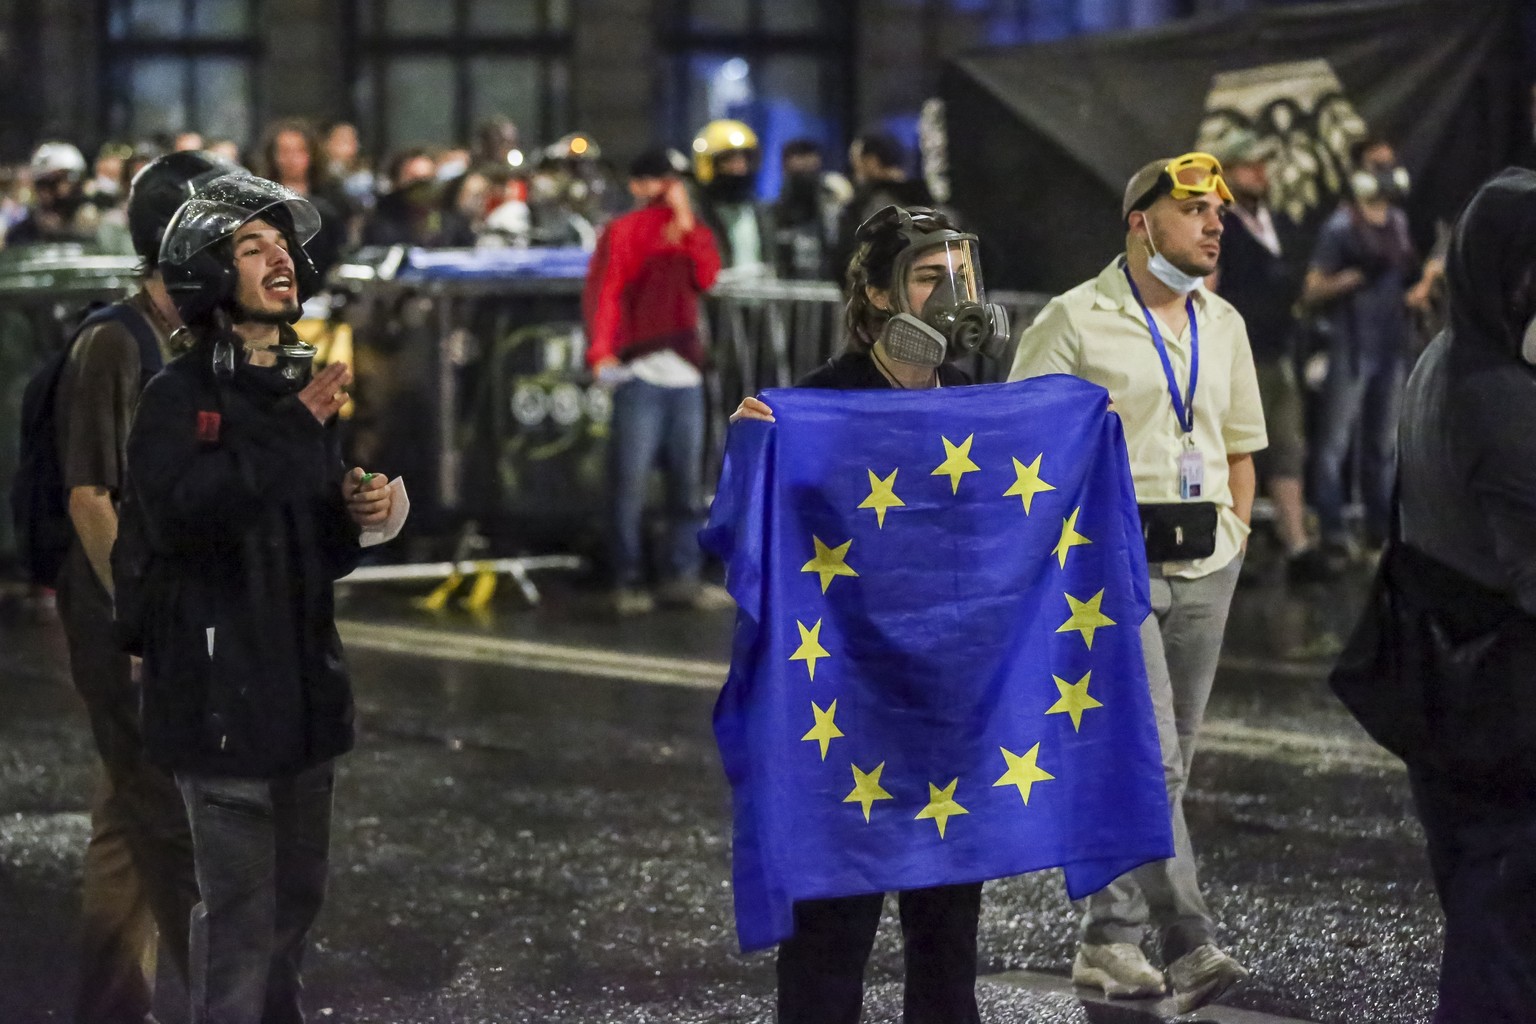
<point>1492,250</point>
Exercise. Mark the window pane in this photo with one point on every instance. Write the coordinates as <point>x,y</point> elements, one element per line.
<point>558,102</point>
<point>719,15</point>
<point>796,99</point>
<point>503,17</point>
<point>419,101</point>
<point>221,17</point>
<point>510,86</point>
<point>417,17</point>
<point>223,94</point>
<point>792,15</point>
<point>718,85</point>
<point>157,88</point>
<point>148,18</point>
<point>559,15</point>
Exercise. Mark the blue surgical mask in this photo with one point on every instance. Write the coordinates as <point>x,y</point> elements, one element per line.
<point>1176,279</point>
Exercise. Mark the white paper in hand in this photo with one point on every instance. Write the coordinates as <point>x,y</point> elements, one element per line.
<point>389,529</point>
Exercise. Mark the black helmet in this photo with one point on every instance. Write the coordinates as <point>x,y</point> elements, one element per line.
<point>159,188</point>
<point>199,273</point>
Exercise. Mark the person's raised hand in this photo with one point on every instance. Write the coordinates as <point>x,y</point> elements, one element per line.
<point>324,395</point>
<point>753,409</point>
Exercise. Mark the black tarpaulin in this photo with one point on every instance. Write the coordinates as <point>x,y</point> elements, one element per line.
<point>1042,138</point>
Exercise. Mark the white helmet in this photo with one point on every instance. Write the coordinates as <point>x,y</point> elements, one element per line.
<point>57,157</point>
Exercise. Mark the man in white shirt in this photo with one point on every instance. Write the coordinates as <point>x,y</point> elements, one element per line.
<point>1176,361</point>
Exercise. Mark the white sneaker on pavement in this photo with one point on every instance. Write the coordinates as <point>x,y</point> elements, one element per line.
<point>1202,975</point>
<point>627,601</point>
<point>1119,969</point>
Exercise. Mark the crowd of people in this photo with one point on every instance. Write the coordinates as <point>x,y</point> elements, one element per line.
<point>210,504</point>
<point>489,193</point>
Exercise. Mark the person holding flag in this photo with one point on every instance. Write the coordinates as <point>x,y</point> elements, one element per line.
<point>928,687</point>
<point>1177,364</point>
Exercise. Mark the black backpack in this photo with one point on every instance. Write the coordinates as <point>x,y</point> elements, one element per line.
<point>39,506</point>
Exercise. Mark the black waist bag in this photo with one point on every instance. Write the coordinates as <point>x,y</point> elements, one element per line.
<point>1179,531</point>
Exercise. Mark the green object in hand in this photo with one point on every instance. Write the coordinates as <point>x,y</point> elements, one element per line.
<point>367,477</point>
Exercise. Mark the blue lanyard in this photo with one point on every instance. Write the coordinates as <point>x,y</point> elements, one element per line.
<point>1183,408</point>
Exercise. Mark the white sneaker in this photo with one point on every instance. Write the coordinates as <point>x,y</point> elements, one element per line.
<point>1202,975</point>
<point>1119,969</point>
<point>700,597</point>
<point>627,601</point>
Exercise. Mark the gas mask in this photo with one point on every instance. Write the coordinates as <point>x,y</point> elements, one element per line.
<point>1389,183</point>
<point>942,271</point>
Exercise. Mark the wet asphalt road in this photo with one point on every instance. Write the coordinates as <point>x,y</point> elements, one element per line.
<point>527,844</point>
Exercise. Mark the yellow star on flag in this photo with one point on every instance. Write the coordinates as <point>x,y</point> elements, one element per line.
<point>1070,538</point>
<point>1028,483</point>
<point>829,562</point>
<point>882,496</point>
<point>1074,700</point>
<point>810,646</point>
<point>957,462</point>
<point>1023,772</point>
<point>1086,617</point>
<point>941,805</point>
<point>825,730</point>
<point>866,788</point>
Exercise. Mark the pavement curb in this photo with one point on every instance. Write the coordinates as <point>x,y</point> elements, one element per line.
<point>1131,1011</point>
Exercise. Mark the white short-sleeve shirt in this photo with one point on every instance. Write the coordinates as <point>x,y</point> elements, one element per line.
<point>1097,331</point>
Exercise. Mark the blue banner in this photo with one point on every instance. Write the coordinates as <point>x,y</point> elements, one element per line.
<point>936,674</point>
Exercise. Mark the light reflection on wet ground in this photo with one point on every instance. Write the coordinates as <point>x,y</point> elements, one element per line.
<point>528,845</point>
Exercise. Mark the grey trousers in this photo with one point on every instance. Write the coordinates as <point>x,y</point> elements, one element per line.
<point>1181,643</point>
<point>262,848</point>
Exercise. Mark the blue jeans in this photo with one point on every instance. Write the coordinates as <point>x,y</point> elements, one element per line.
<point>262,847</point>
<point>1360,402</point>
<point>652,424</point>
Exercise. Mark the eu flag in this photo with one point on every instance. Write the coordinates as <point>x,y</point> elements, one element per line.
<point>936,673</point>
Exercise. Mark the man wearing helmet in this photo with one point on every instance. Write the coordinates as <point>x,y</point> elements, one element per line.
<point>60,209</point>
<point>244,501</point>
<point>725,164</point>
<point>138,866</point>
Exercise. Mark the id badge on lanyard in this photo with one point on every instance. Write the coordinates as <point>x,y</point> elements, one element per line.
<point>1191,470</point>
<point>1191,459</point>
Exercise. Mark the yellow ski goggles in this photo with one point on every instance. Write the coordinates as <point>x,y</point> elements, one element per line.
<point>1193,174</point>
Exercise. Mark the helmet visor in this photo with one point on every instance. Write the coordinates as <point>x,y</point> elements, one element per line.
<point>937,276</point>
<point>216,211</point>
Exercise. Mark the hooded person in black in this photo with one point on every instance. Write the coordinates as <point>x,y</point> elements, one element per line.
<point>1466,573</point>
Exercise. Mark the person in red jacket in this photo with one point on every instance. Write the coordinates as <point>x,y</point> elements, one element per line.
<point>641,305</point>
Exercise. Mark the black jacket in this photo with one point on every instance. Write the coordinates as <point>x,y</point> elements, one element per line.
<point>240,492</point>
<point>869,199</point>
<point>1467,441</point>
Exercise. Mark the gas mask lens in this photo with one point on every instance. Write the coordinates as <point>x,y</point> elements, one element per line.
<point>940,286</point>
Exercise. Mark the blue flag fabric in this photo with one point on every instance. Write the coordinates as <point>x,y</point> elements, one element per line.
<point>936,673</point>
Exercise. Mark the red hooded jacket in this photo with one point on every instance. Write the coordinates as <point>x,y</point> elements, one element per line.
<point>642,291</point>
